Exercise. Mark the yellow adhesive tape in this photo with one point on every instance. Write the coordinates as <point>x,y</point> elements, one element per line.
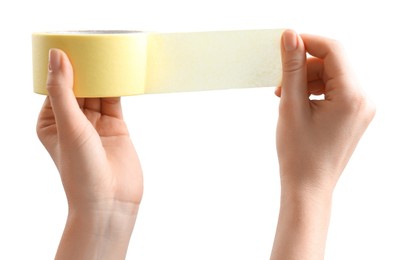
<point>121,63</point>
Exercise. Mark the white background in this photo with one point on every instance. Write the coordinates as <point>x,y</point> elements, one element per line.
<point>209,159</point>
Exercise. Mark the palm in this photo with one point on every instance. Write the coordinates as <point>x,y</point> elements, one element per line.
<point>96,151</point>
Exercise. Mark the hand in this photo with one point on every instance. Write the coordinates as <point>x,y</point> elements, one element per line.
<point>100,171</point>
<point>315,139</point>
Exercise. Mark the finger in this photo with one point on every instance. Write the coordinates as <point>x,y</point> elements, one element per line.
<point>335,65</point>
<point>46,106</point>
<point>92,104</point>
<point>46,117</point>
<point>294,79</point>
<point>316,87</point>
<point>104,106</point>
<point>112,107</point>
<point>316,84</point>
<point>278,91</point>
<point>81,102</point>
<point>315,67</point>
<point>329,50</point>
<point>59,85</point>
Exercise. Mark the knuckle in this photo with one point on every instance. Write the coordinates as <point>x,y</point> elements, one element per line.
<point>370,110</point>
<point>362,107</point>
<point>336,45</point>
<point>293,64</point>
<point>54,86</point>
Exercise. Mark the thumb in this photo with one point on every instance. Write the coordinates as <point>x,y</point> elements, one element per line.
<point>294,79</point>
<point>59,85</point>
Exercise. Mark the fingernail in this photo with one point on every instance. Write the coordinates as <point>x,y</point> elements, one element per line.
<point>289,40</point>
<point>54,60</point>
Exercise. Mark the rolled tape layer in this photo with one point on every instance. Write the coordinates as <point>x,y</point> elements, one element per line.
<point>121,63</point>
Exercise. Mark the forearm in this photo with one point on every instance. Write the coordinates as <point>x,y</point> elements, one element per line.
<point>302,226</point>
<point>104,235</point>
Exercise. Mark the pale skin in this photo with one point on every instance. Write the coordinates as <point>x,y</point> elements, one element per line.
<point>315,139</point>
<point>99,168</point>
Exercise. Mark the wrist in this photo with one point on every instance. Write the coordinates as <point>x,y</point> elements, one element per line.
<point>98,232</point>
<point>108,219</point>
<point>102,224</point>
<point>310,205</point>
<point>309,181</point>
<point>306,194</point>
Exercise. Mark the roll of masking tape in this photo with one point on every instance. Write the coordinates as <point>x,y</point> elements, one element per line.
<point>120,63</point>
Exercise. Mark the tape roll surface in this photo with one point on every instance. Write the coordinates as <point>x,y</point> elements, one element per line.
<point>120,63</point>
